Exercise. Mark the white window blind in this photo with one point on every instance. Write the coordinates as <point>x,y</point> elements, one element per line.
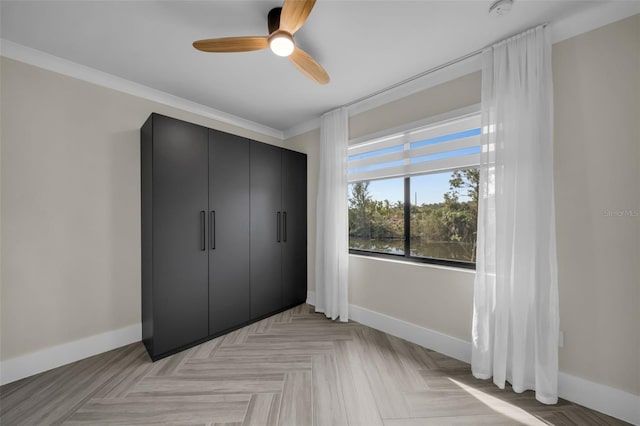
<point>444,146</point>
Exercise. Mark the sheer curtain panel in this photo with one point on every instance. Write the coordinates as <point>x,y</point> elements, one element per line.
<point>332,233</point>
<point>515,316</point>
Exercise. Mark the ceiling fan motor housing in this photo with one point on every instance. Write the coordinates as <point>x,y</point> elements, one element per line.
<point>273,19</point>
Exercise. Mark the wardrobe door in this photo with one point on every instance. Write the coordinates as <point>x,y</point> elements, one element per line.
<point>229,225</point>
<point>180,257</point>
<point>294,227</point>
<point>146,231</point>
<point>266,232</point>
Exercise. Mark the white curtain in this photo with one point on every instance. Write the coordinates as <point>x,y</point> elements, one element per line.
<point>515,316</point>
<point>332,232</point>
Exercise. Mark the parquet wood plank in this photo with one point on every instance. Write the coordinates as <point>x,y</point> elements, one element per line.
<point>387,379</point>
<point>206,349</point>
<point>60,397</point>
<point>263,410</point>
<point>296,406</point>
<point>203,385</point>
<point>294,368</point>
<point>483,420</point>
<point>174,409</point>
<point>231,368</point>
<point>359,401</point>
<point>328,399</point>
<point>121,383</point>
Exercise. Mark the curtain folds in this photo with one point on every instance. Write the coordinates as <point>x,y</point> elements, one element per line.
<point>332,232</point>
<point>515,318</point>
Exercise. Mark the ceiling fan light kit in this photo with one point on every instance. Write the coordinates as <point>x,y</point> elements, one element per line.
<point>282,22</point>
<point>281,43</point>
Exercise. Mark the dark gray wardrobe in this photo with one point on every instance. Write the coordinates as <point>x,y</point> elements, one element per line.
<point>278,227</point>
<point>223,232</point>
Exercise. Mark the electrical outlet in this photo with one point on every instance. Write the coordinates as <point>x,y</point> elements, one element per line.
<point>561,339</point>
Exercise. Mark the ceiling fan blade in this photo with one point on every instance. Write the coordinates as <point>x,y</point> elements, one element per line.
<point>308,66</point>
<point>232,44</point>
<point>294,14</point>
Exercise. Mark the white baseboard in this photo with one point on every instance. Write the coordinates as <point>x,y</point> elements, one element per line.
<point>439,342</point>
<point>605,399</point>
<point>602,398</point>
<point>36,362</point>
<point>311,298</point>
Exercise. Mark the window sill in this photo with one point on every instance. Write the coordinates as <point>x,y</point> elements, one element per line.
<point>404,261</point>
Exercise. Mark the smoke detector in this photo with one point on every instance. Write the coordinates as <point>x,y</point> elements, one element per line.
<point>501,7</point>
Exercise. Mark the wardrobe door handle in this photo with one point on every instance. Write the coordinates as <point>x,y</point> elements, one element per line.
<point>284,226</point>
<point>204,230</point>
<point>212,229</point>
<point>278,226</point>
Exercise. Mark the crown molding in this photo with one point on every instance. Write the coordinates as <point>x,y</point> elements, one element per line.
<point>588,20</point>
<point>563,29</point>
<point>58,65</point>
<point>592,18</point>
<point>438,76</point>
<point>301,128</point>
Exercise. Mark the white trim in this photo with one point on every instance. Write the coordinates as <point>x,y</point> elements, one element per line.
<point>55,356</point>
<point>593,18</point>
<point>439,342</point>
<point>588,20</point>
<point>301,128</point>
<point>440,76</point>
<point>311,298</point>
<point>434,340</point>
<point>605,399</point>
<point>53,63</point>
<point>425,82</point>
<point>608,400</point>
<point>571,26</point>
<point>411,264</point>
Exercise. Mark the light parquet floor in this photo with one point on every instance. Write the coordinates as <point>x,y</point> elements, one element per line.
<point>294,368</point>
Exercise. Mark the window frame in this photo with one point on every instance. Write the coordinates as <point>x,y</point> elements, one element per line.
<point>407,241</point>
<point>452,115</point>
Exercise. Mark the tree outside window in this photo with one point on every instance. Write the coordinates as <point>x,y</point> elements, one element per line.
<point>443,211</point>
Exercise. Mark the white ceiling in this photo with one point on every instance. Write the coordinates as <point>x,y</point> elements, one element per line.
<point>364,45</point>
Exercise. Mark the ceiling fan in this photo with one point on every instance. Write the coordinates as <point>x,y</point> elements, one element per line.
<point>283,22</point>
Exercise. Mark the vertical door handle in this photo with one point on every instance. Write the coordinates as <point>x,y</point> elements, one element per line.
<point>212,229</point>
<point>203,243</point>
<point>284,226</point>
<point>278,226</point>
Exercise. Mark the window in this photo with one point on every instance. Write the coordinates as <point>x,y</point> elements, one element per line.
<point>444,215</point>
<point>414,193</point>
<point>376,216</point>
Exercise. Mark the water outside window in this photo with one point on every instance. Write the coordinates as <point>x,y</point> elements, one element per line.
<point>443,214</point>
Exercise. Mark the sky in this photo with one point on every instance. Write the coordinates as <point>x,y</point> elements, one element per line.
<point>427,188</point>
